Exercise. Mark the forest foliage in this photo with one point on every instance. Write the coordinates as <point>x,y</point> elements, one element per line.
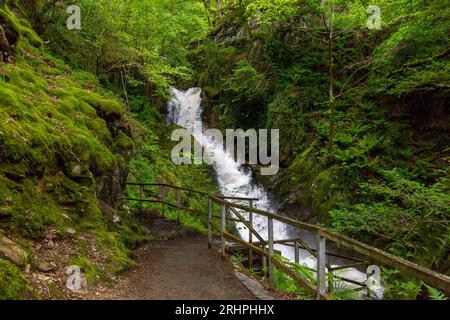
<point>363,113</point>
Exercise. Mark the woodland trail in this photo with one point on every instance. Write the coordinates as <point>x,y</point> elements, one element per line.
<point>176,266</point>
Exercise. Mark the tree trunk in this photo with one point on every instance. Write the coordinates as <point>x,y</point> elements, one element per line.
<point>220,7</point>
<point>331,97</point>
<point>329,25</point>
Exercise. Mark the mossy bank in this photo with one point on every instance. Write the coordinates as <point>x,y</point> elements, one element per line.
<point>65,144</point>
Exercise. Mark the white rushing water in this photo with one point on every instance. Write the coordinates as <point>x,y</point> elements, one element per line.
<point>184,109</point>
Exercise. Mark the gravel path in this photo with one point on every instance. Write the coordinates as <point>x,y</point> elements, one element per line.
<point>180,268</point>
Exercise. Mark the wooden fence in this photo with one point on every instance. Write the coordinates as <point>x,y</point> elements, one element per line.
<point>265,247</point>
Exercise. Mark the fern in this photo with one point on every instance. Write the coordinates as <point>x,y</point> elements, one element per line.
<point>435,294</point>
<point>340,290</point>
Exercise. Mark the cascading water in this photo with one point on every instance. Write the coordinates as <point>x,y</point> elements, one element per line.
<point>184,109</point>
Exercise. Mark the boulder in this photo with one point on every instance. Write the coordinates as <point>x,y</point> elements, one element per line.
<point>9,250</point>
<point>70,231</point>
<point>78,172</point>
<point>45,266</point>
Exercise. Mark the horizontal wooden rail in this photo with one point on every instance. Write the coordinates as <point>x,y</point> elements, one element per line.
<point>331,254</point>
<point>143,200</point>
<point>301,282</point>
<point>187,190</point>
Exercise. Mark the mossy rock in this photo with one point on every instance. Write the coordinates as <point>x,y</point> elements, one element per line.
<point>123,144</point>
<point>12,283</point>
<point>78,171</point>
<point>11,251</point>
<point>59,131</point>
<point>14,171</point>
<point>211,91</point>
<point>105,107</point>
<point>21,26</point>
<point>5,212</point>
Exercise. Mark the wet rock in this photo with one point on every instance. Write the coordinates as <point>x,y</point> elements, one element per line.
<point>10,251</point>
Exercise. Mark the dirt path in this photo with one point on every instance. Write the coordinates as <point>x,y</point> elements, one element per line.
<point>181,268</point>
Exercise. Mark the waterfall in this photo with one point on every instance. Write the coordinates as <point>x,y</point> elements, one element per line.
<point>185,110</point>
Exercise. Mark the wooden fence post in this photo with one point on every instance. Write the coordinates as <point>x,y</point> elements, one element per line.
<point>210,204</point>
<point>271,253</point>
<point>321,271</point>
<point>178,205</point>
<point>222,229</point>
<point>140,199</point>
<point>297,253</point>
<point>264,263</point>
<point>162,201</point>
<point>250,236</point>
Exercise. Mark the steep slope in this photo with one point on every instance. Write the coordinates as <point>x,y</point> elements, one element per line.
<point>68,144</point>
<point>64,148</point>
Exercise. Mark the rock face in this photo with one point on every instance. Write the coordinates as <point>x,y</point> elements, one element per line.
<point>110,187</point>
<point>106,209</point>
<point>9,250</point>
<point>8,39</point>
<point>290,201</point>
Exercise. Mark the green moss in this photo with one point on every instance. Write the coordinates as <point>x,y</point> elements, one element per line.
<point>8,98</point>
<point>46,119</point>
<point>12,284</point>
<point>111,107</point>
<point>106,106</point>
<point>86,78</point>
<point>123,143</point>
<point>51,120</point>
<point>154,165</point>
<point>21,26</point>
<point>90,271</point>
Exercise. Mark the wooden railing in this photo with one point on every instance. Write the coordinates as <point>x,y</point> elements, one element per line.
<point>235,212</point>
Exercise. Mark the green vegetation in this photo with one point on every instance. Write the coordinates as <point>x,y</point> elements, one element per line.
<point>67,125</point>
<point>60,133</point>
<point>12,284</point>
<point>153,164</point>
<point>362,114</point>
